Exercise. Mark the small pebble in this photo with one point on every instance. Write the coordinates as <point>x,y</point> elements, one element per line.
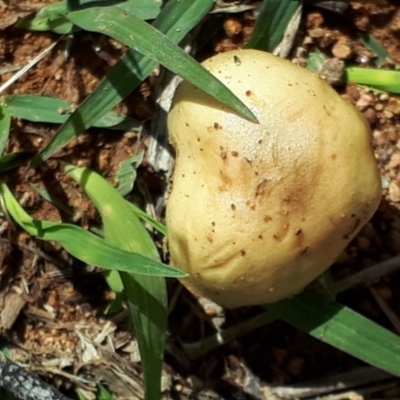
<point>342,50</point>
<point>370,115</point>
<point>394,192</point>
<point>393,105</point>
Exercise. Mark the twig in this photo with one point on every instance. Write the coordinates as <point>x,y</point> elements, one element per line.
<point>391,316</point>
<point>345,381</point>
<point>198,349</point>
<point>23,384</point>
<point>368,275</point>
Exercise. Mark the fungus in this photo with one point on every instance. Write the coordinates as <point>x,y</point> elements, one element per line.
<point>288,194</point>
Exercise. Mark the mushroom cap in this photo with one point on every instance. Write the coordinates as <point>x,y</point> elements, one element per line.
<point>258,211</point>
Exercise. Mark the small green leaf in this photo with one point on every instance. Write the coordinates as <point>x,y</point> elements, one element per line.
<point>49,18</point>
<point>315,61</point>
<point>103,394</point>
<point>52,17</point>
<point>126,173</point>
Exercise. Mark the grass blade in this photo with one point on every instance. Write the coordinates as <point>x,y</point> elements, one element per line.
<point>342,328</point>
<point>14,160</point>
<point>147,296</point>
<point>272,24</point>
<point>150,42</point>
<point>176,19</point>
<point>5,124</point>
<point>381,79</point>
<point>157,225</point>
<point>84,245</point>
<point>369,42</point>
<point>51,110</point>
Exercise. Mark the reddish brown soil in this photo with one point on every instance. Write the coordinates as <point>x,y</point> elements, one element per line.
<point>49,303</point>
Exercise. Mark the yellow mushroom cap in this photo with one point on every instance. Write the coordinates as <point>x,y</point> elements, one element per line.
<point>258,211</point>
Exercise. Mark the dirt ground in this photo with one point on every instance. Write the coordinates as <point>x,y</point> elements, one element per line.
<point>51,307</point>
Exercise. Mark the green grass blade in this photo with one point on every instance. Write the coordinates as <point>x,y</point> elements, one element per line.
<point>5,124</point>
<point>84,245</point>
<point>150,42</point>
<point>120,224</point>
<point>272,23</point>
<point>382,56</point>
<point>157,225</point>
<point>176,19</point>
<point>147,296</point>
<point>342,328</point>
<point>103,394</point>
<point>381,79</point>
<point>51,110</point>
<point>14,160</point>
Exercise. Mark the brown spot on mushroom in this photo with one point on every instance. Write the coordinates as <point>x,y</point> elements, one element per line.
<point>326,109</point>
<point>243,253</point>
<point>216,125</point>
<point>234,153</point>
<point>304,251</point>
<point>298,232</point>
<point>236,60</point>
<point>209,238</point>
<point>225,178</point>
<point>223,155</point>
<point>213,223</point>
<point>249,93</point>
<point>260,236</point>
<point>233,207</point>
<point>261,187</point>
<point>333,157</point>
<point>267,218</point>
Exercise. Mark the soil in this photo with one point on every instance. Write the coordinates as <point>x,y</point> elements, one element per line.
<point>52,307</point>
